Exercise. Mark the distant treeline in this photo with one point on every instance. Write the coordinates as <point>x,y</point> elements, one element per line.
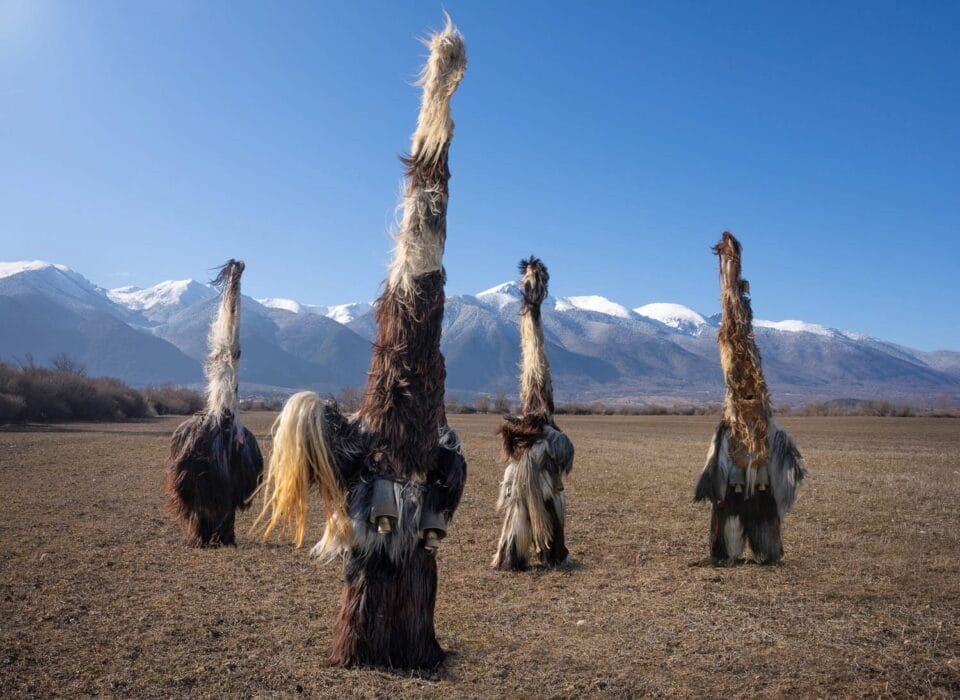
<point>866,407</point>
<point>836,407</point>
<point>63,392</point>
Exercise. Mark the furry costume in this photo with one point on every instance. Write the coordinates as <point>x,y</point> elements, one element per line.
<point>215,462</point>
<point>753,468</point>
<point>390,476</point>
<point>537,453</point>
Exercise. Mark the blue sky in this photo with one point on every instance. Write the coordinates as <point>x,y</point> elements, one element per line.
<point>142,141</point>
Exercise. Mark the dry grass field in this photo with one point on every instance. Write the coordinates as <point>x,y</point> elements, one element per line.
<point>98,596</point>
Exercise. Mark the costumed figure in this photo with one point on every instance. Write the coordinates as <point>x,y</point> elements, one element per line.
<point>753,468</point>
<point>537,453</point>
<point>215,463</point>
<point>391,475</point>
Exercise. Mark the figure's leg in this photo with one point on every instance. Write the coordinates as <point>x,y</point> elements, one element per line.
<point>386,613</point>
<point>192,531</point>
<point>763,529</point>
<point>515,540</point>
<point>508,558</point>
<point>726,536</point>
<point>205,531</point>
<point>557,554</point>
<point>225,531</point>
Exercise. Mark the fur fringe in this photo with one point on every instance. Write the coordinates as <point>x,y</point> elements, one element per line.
<point>223,360</point>
<point>533,503</point>
<point>301,457</point>
<point>755,515</point>
<point>786,469</point>
<point>536,385</point>
<point>213,468</point>
<point>422,235</point>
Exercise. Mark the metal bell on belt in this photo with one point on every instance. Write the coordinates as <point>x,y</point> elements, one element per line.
<point>384,511</point>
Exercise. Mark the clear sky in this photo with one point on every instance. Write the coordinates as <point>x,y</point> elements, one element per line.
<point>143,141</point>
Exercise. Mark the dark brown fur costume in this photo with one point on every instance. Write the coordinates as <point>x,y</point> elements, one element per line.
<point>400,436</point>
<point>215,463</point>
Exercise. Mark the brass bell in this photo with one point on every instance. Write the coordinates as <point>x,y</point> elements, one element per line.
<point>433,528</point>
<point>384,510</point>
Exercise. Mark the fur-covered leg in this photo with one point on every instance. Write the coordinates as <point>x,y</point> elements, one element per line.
<point>762,525</point>
<point>224,533</point>
<point>515,536</point>
<point>508,556</point>
<point>726,536</point>
<point>386,613</point>
<point>556,554</point>
<point>207,528</point>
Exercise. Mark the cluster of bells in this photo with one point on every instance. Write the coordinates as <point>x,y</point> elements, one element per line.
<point>745,460</point>
<point>385,512</point>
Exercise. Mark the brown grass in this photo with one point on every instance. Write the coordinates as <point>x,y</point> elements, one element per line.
<point>98,595</point>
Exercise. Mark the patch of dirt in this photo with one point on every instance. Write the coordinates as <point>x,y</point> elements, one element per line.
<point>99,596</point>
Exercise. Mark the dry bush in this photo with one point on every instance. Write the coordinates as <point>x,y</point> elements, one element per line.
<point>261,403</point>
<point>12,408</point>
<point>168,399</point>
<point>852,407</point>
<point>32,393</point>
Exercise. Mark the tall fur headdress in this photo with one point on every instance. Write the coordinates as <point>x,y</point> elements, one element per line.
<point>747,403</point>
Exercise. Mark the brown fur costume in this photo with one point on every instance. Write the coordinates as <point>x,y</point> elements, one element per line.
<point>392,475</point>
<point>215,463</point>
<point>537,453</point>
<point>753,468</point>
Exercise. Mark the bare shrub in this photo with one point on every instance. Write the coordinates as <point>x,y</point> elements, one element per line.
<point>261,403</point>
<point>168,399</point>
<point>35,393</point>
<point>12,408</point>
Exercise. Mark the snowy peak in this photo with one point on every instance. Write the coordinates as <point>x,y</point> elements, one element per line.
<point>593,302</point>
<point>170,293</point>
<point>345,313</point>
<point>677,316</point>
<point>341,313</point>
<point>792,326</point>
<point>51,280</point>
<point>294,307</point>
<point>9,269</point>
<point>501,296</point>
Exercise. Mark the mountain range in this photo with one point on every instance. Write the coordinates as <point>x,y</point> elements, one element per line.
<point>599,349</point>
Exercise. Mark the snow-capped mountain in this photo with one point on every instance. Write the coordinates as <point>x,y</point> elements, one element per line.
<point>292,306</point>
<point>51,280</point>
<point>341,313</point>
<point>48,309</point>
<point>158,302</point>
<point>170,293</point>
<point>597,303</point>
<point>599,348</point>
<point>678,316</point>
